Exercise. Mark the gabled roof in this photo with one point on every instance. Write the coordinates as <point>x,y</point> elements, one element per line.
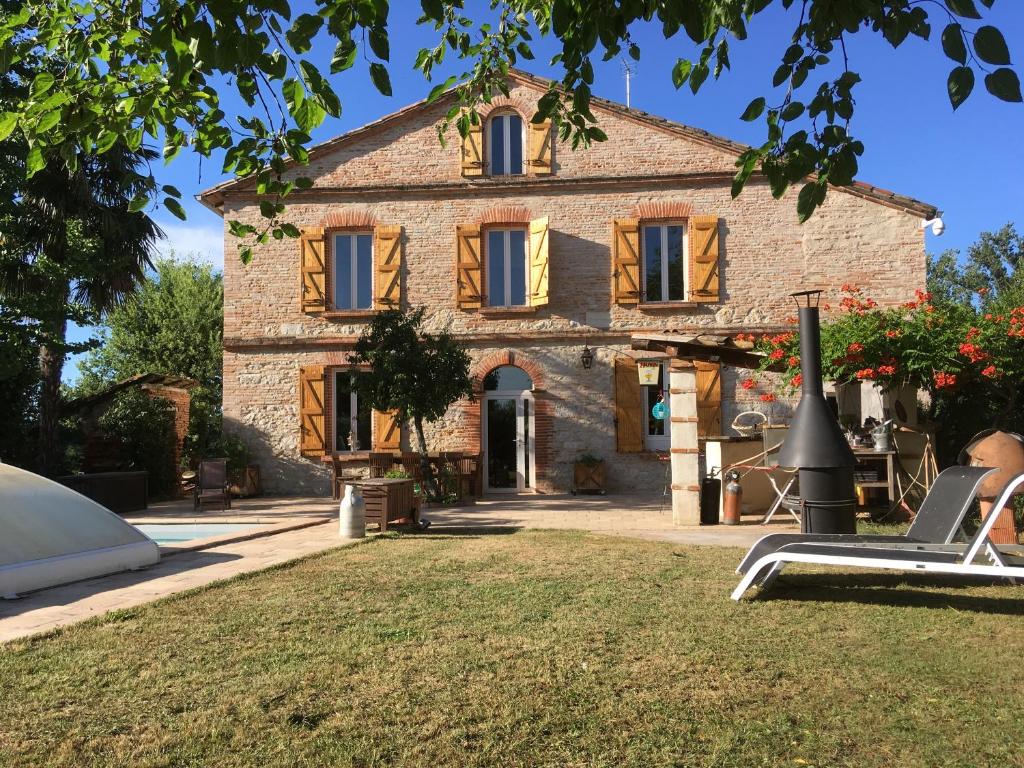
<point>212,198</point>
<point>140,379</point>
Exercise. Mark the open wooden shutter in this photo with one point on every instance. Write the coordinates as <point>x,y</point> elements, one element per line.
<point>387,431</point>
<point>709,399</point>
<point>313,262</point>
<point>704,258</point>
<point>629,433</point>
<point>312,440</point>
<point>473,150</point>
<point>540,141</point>
<point>467,255</point>
<point>626,261</point>
<point>539,262</point>
<point>387,256</point>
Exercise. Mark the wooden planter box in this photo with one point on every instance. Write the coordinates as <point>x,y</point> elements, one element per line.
<point>388,500</point>
<point>248,482</point>
<point>589,478</point>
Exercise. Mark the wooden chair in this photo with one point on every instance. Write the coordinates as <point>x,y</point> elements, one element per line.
<point>212,484</point>
<point>470,476</point>
<point>411,465</point>
<point>449,469</point>
<point>380,463</point>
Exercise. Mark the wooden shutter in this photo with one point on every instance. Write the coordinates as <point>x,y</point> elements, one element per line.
<point>540,141</point>
<point>312,440</point>
<point>709,399</point>
<point>473,150</point>
<point>313,262</point>
<point>468,272</point>
<point>704,258</point>
<point>626,261</point>
<point>387,431</point>
<point>629,431</point>
<point>387,257</point>
<point>539,262</point>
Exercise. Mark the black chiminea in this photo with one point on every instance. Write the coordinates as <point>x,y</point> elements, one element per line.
<point>815,444</point>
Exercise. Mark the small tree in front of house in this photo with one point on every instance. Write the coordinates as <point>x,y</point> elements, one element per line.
<point>414,374</point>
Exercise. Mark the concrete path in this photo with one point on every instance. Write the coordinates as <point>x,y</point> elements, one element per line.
<point>51,608</point>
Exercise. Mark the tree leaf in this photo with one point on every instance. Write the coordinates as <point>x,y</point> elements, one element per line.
<point>960,85</point>
<point>953,43</point>
<point>138,202</point>
<point>41,84</point>
<point>754,109</point>
<point>1004,84</point>
<point>379,43</point>
<point>964,8</point>
<point>990,46</point>
<point>8,122</point>
<point>174,207</point>
<point>680,72</point>
<point>34,161</point>
<point>792,111</point>
<point>380,78</point>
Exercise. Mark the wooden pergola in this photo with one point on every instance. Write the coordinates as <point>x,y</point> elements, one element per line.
<point>712,347</point>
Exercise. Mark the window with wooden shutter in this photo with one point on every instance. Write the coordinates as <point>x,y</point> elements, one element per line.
<point>626,261</point>
<point>629,434</point>
<point>709,399</point>
<point>387,433</point>
<point>467,256</point>
<point>540,144</point>
<point>704,258</point>
<point>539,262</point>
<point>387,256</point>
<point>473,150</point>
<point>313,264</point>
<point>312,441</point>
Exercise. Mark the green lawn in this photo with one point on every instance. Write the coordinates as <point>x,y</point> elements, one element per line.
<point>533,648</point>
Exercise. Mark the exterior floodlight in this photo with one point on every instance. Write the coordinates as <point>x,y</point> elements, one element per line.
<point>936,224</point>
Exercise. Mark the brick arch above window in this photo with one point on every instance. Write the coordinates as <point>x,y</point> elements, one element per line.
<point>505,357</point>
<point>504,105</point>
<point>663,209</point>
<point>506,214</point>
<point>349,219</point>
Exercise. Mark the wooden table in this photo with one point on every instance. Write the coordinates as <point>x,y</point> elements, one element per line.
<point>884,462</point>
<point>388,499</point>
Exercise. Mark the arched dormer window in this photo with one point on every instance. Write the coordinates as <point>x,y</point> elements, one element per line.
<point>505,141</point>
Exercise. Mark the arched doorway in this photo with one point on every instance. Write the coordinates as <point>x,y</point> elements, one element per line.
<point>507,431</point>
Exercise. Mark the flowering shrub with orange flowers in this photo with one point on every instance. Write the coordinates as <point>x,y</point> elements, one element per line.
<point>940,348</point>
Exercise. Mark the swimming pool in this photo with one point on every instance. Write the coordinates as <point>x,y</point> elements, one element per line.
<point>175,533</point>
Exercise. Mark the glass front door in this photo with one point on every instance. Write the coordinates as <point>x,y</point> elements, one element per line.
<point>508,439</point>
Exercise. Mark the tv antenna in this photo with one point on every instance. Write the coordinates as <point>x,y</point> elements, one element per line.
<point>628,71</point>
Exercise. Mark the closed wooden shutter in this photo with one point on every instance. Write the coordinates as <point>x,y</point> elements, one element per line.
<point>626,261</point>
<point>313,263</point>
<point>540,141</point>
<point>467,255</point>
<point>709,399</point>
<point>312,440</point>
<point>704,258</point>
<point>473,150</point>
<point>629,432</point>
<point>387,256</point>
<point>387,431</point>
<point>539,262</point>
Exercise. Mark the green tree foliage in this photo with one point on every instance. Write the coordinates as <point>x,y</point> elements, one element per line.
<point>174,325</point>
<point>141,428</point>
<point>988,276</point>
<point>19,389</point>
<point>414,373</point>
<point>139,71</point>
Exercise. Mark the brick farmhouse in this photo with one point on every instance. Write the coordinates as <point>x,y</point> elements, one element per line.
<point>527,251</point>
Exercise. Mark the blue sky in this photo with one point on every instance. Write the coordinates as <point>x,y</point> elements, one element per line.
<point>969,163</point>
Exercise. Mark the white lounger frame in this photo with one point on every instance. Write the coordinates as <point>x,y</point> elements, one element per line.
<point>771,565</point>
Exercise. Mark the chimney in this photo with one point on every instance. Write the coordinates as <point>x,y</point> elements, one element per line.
<point>815,444</point>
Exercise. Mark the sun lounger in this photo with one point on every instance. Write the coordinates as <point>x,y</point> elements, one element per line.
<point>899,555</point>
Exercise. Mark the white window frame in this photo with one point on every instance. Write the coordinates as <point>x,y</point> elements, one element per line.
<point>663,226</point>
<point>657,442</point>
<point>353,418</point>
<point>506,149</point>
<point>507,298</point>
<point>353,255</point>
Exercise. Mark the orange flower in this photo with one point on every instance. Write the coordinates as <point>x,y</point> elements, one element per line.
<point>893,334</point>
<point>944,380</point>
<point>990,371</point>
<point>793,361</point>
<point>798,380</point>
<point>767,397</point>
<point>886,370</point>
<point>748,384</point>
<point>777,354</point>
<point>855,347</point>
<point>865,373</point>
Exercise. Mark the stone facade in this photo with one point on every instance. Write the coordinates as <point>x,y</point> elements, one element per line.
<point>396,172</point>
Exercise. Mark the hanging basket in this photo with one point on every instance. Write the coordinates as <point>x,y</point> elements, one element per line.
<point>648,372</point>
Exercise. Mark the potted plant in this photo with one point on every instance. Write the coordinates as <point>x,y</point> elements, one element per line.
<point>588,474</point>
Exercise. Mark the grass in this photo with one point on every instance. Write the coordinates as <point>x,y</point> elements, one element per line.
<point>535,648</point>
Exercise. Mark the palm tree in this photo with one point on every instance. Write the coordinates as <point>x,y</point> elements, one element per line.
<point>73,250</point>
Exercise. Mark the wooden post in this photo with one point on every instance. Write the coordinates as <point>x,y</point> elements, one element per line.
<point>683,442</point>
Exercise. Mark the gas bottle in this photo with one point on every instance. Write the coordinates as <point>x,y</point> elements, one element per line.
<point>352,514</point>
<point>733,500</point>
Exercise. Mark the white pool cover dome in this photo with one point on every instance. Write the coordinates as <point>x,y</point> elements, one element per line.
<point>52,535</point>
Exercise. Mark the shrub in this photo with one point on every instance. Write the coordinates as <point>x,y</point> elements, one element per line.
<point>141,429</point>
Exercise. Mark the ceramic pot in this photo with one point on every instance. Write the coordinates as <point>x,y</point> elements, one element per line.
<point>352,514</point>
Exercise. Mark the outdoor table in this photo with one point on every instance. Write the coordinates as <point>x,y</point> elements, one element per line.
<point>388,499</point>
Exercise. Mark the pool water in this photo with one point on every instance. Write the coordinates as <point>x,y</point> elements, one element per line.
<point>175,533</point>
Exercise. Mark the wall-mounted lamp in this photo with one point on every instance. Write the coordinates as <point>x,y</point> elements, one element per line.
<point>587,357</point>
<point>936,224</point>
